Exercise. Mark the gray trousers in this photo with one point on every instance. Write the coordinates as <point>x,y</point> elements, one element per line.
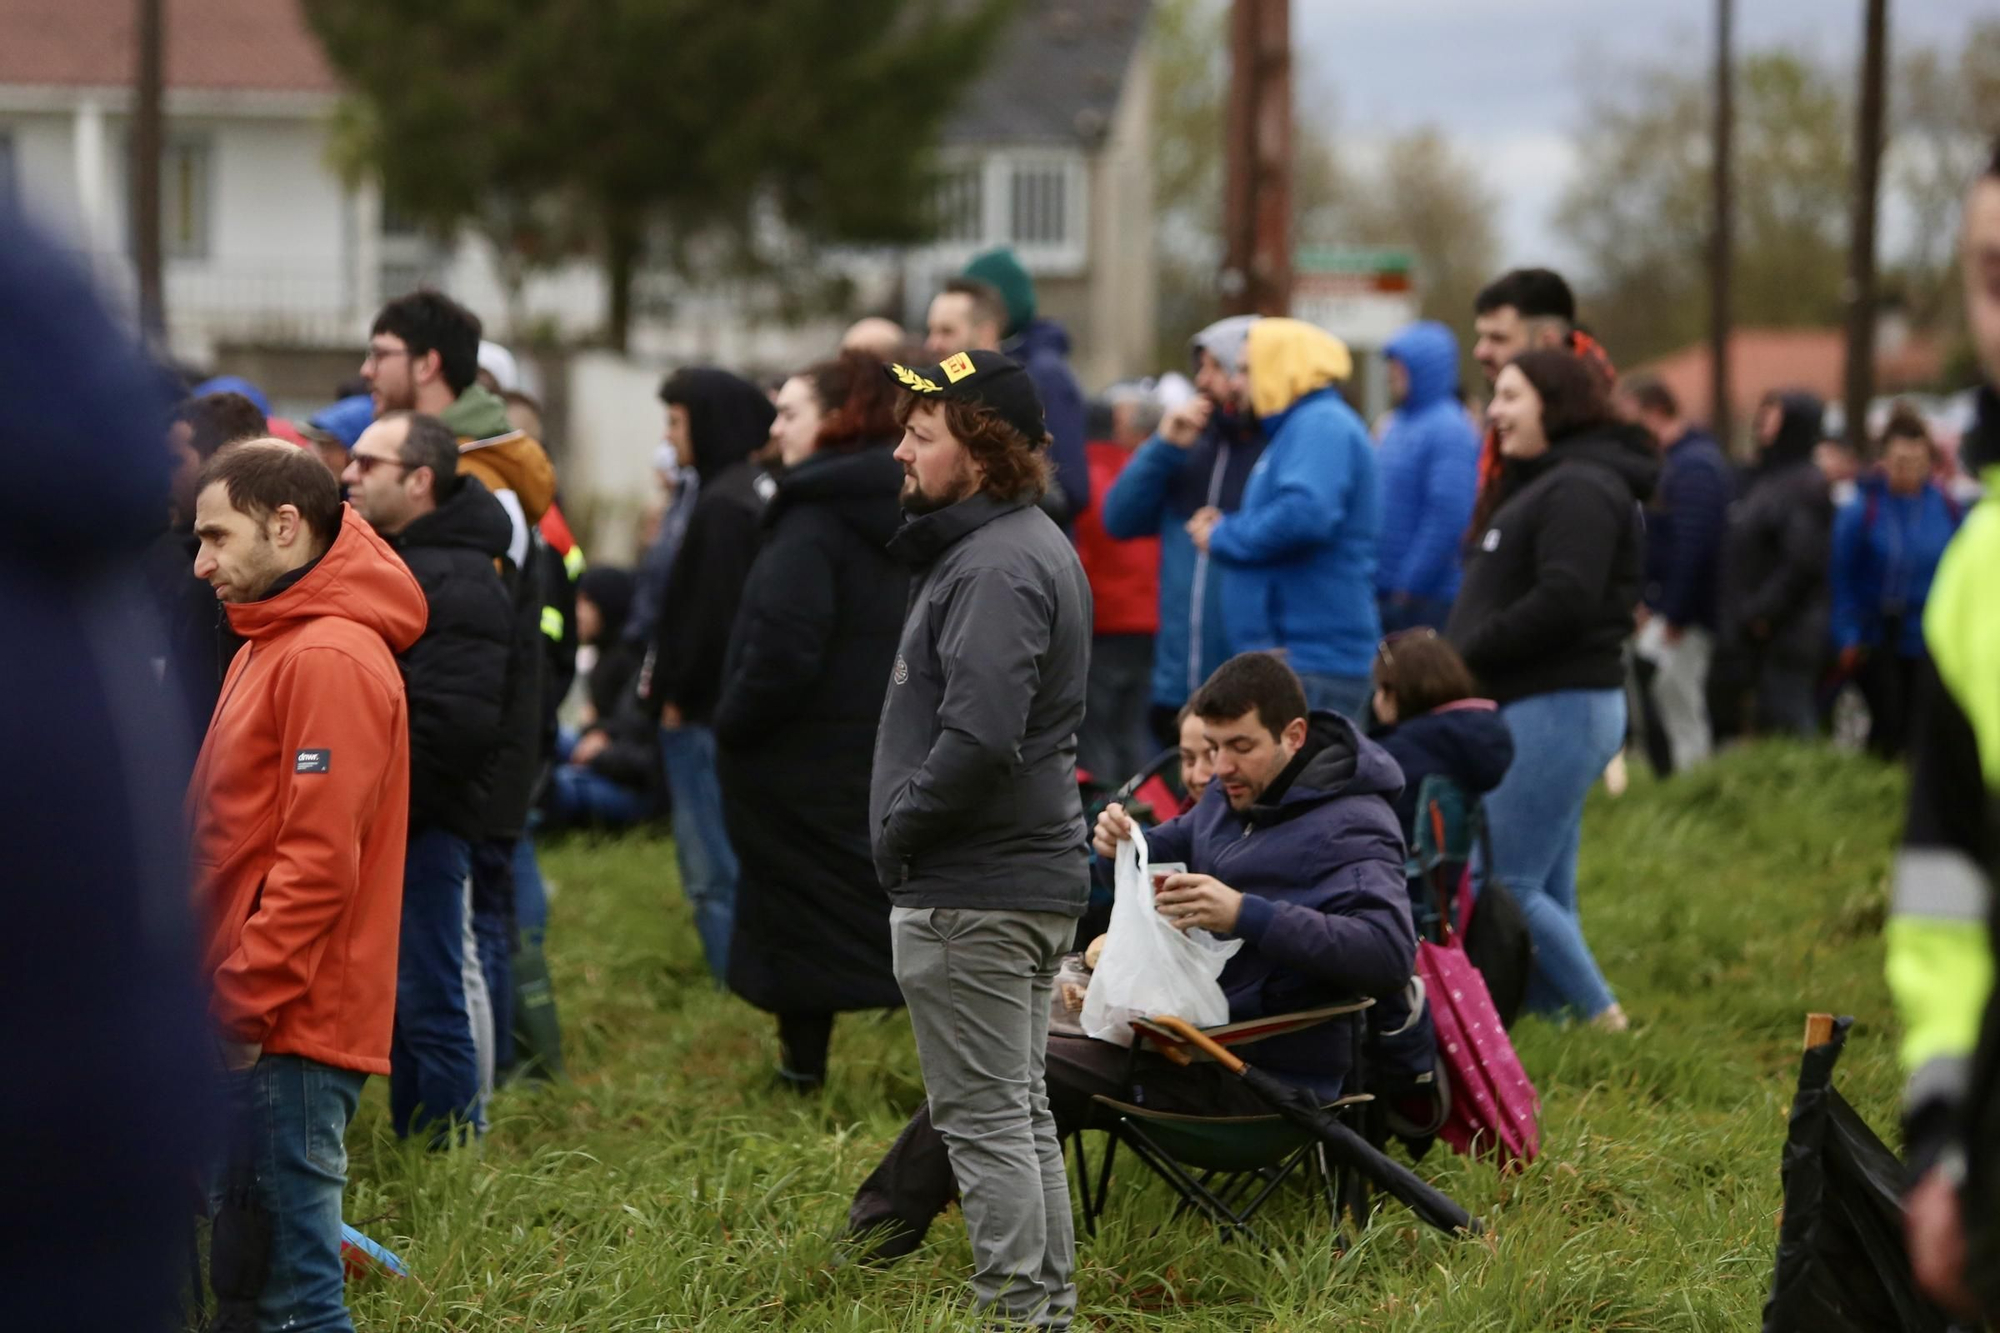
<point>1680,689</point>
<point>979,984</point>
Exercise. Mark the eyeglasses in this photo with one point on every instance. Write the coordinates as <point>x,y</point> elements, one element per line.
<point>376,355</point>
<point>1416,632</point>
<point>366,463</point>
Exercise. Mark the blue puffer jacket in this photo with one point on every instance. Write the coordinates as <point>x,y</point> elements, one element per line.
<point>1042,348</point>
<point>1326,914</point>
<point>1429,460</point>
<point>1298,559</point>
<point>1155,496</point>
<point>1886,549</point>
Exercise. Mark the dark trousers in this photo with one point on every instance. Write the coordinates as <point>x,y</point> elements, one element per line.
<point>914,1182</point>
<point>1114,745</point>
<point>803,1041</point>
<point>1888,683</point>
<point>493,930</point>
<point>433,1057</point>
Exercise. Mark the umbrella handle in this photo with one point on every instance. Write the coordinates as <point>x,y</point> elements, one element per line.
<point>1200,1040</point>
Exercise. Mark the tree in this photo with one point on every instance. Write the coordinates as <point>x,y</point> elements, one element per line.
<point>1638,203</point>
<point>660,126</point>
<point>1945,109</point>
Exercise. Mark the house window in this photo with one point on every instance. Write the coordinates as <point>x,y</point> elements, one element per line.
<point>186,197</point>
<point>1038,205</point>
<point>961,206</point>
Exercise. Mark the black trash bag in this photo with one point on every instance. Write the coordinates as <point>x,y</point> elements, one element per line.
<point>1841,1264</point>
<point>1498,944</point>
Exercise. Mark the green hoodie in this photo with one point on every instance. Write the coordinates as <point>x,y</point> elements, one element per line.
<point>477,415</point>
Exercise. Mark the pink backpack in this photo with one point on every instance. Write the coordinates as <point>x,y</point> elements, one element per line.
<point>1494,1108</point>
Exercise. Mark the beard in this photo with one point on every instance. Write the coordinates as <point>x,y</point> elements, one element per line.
<point>917,501</point>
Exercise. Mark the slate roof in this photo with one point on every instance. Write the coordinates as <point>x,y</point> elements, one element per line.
<point>1057,75</point>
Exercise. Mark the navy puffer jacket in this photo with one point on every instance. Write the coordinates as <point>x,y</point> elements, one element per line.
<point>1326,915</point>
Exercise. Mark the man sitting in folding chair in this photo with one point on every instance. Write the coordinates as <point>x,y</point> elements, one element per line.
<point>1295,850</point>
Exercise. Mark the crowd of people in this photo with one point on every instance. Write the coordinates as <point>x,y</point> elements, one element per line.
<point>904,618</point>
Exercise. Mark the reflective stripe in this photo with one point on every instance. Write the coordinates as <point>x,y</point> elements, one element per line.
<point>1941,1080</point>
<point>552,623</point>
<point>574,563</point>
<point>1940,973</point>
<point>1939,884</point>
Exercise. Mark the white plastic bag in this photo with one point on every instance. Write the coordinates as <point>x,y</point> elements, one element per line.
<point>1148,966</point>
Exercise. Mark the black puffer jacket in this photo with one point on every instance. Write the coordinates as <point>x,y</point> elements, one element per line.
<point>1776,601</point>
<point>196,644</point>
<point>1552,582</point>
<point>808,665</point>
<point>456,673</point>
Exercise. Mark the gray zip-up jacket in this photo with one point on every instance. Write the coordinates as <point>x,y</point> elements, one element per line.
<point>973,799</point>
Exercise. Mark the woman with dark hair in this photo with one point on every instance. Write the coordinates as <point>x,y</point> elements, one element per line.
<point>1433,722</point>
<point>812,649</point>
<point>1552,578</point>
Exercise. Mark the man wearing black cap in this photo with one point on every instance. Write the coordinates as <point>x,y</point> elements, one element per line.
<point>978,828</point>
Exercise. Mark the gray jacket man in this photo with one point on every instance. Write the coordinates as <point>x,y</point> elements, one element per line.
<point>979,832</point>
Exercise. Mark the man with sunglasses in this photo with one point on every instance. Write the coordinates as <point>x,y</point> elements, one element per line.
<point>403,478</point>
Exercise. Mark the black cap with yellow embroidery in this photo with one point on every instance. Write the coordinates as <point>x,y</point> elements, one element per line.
<point>986,378</point>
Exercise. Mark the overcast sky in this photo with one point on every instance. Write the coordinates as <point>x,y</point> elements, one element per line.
<point>1504,79</point>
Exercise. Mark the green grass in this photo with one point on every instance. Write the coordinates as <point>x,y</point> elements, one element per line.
<point>670,1187</point>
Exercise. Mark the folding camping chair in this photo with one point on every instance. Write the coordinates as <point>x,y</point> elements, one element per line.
<point>1225,1167</point>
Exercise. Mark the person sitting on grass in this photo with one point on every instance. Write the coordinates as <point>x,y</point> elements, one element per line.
<point>1431,722</point>
<point>608,773</point>
<point>1293,849</point>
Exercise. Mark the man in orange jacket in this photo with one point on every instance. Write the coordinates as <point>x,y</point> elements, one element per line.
<point>298,809</point>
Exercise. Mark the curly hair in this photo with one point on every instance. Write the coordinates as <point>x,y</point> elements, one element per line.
<point>1012,467</point>
<point>856,401</point>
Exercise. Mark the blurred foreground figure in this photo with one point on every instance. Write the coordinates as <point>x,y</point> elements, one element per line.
<point>100,1141</point>
<point>1941,931</point>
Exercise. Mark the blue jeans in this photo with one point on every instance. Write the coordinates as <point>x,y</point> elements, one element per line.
<point>579,797</point>
<point>433,1060</point>
<point>701,841</point>
<point>292,1116</point>
<point>1348,696</point>
<point>1562,743</point>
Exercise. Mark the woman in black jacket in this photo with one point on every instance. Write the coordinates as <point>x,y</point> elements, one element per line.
<point>807,666</point>
<point>1775,598</point>
<point>1552,578</point>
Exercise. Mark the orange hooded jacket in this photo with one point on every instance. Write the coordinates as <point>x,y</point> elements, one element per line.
<point>300,805</point>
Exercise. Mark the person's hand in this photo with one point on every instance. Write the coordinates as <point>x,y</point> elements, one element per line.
<point>1935,1231</point>
<point>1202,526</point>
<point>588,746</point>
<point>670,717</point>
<point>238,1056</point>
<point>1198,900</point>
<point>1850,658</point>
<point>1113,827</point>
<point>1184,425</point>
<point>1673,633</point>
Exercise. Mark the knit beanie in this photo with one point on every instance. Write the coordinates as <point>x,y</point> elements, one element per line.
<point>1001,270</point>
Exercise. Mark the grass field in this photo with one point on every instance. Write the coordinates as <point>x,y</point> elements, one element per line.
<point>670,1187</point>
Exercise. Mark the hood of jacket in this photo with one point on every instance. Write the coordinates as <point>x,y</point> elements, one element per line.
<point>1429,355</point>
<point>1038,339</point>
<point>1469,740</point>
<point>1289,359</point>
<point>506,459</point>
<point>1336,761</point>
<point>1225,340</point>
<point>862,488</point>
<point>470,519</point>
<point>729,418</point>
<point>1799,427</point>
<point>358,579</point>
<point>1621,447</point>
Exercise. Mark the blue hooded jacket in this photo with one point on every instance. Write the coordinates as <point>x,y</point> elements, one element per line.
<point>1156,494</point>
<point>1042,348</point>
<point>1886,550</point>
<point>1429,461</point>
<point>1326,913</point>
<point>1298,559</point>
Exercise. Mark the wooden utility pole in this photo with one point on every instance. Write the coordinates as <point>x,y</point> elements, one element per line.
<point>1861,241</point>
<point>1257,205</point>
<point>148,146</point>
<point>1722,238</point>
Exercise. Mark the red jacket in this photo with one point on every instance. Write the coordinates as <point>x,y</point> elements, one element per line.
<point>300,806</point>
<point>1124,575</point>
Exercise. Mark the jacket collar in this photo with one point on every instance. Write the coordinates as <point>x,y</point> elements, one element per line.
<point>921,541</point>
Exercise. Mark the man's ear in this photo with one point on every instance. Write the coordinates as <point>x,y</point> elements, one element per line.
<point>429,366</point>
<point>285,525</point>
<point>1295,732</point>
